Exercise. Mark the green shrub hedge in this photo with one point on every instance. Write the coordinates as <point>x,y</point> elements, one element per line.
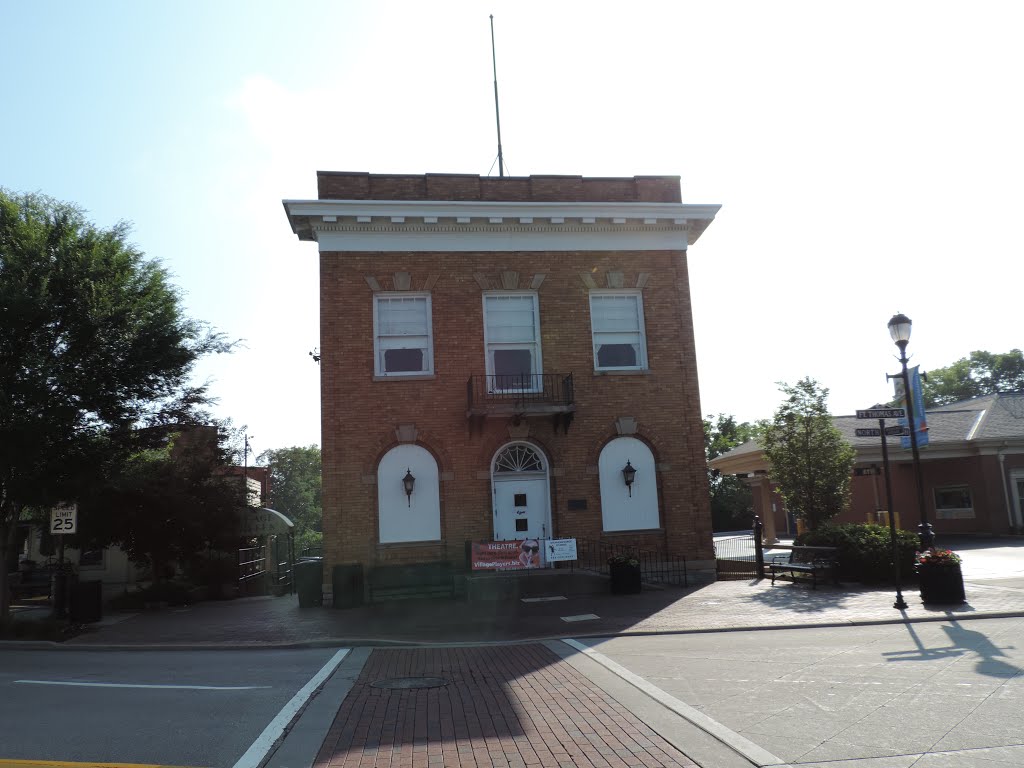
<point>865,551</point>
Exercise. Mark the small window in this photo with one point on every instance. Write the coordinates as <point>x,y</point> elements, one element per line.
<point>403,335</point>
<point>617,325</point>
<point>90,558</point>
<point>520,500</point>
<point>953,502</point>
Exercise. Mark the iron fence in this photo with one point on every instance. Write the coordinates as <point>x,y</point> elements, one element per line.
<point>656,566</point>
<point>252,568</point>
<point>740,555</point>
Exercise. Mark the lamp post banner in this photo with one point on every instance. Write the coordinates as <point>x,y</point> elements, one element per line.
<point>920,420</point>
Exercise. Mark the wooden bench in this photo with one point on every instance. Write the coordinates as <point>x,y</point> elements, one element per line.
<point>435,579</point>
<point>812,560</point>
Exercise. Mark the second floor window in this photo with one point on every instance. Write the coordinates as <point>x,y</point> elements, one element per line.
<point>617,323</point>
<point>512,340</point>
<point>403,342</point>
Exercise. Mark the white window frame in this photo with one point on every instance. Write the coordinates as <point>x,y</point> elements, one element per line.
<point>642,355</point>
<point>378,350</point>
<point>534,347</point>
<point>953,513</point>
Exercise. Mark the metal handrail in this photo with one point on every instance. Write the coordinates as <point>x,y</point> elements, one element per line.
<point>521,389</point>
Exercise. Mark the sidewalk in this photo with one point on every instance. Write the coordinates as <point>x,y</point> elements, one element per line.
<point>724,605</point>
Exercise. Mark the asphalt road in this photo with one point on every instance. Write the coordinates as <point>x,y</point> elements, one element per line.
<point>925,695</point>
<point>213,706</point>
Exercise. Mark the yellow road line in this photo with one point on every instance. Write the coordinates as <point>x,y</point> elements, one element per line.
<point>68,764</point>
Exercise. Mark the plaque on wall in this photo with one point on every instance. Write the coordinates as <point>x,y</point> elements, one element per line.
<point>576,505</point>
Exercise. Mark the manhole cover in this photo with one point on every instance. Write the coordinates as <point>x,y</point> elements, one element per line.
<point>404,683</point>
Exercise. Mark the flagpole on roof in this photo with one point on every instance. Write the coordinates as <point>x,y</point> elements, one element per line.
<point>497,116</point>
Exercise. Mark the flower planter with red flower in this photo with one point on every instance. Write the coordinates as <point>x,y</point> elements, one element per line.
<point>940,577</point>
<point>624,575</point>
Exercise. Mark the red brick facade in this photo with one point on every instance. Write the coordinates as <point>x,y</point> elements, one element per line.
<point>361,414</point>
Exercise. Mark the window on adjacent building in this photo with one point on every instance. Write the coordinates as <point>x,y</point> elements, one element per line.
<point>90,558</point>
<point>953,501</point>
<point>403,343</point>
<point>512,340</point>
<point>617,324</point>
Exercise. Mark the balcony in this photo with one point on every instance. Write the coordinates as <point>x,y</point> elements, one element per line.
<point>520,396</point>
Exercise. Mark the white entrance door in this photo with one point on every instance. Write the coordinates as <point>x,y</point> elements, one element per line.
<point>520,508</point>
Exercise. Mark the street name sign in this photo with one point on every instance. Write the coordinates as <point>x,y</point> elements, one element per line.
<point>876,432</point>
<point>882,413</point>
<point>63,520</point>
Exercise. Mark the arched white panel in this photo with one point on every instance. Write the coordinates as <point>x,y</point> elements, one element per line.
<point>621,511</point>
<point>402,518</point>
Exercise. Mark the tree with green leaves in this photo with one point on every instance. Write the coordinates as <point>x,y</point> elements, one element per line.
<point>731,501</point>
<point>169,502</point>
<point>295,490</point>
<point>809,460</point>
<point>93,338</point>
<point>983,373</point>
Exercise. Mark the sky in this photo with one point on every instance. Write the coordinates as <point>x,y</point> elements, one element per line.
<point>868,158</point>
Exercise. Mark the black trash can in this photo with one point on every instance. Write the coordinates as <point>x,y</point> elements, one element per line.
<point>309,580</point>
<point>86,602</point>
<point>347,585</point>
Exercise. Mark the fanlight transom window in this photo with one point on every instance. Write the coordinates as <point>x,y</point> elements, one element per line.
<point>519,458</point>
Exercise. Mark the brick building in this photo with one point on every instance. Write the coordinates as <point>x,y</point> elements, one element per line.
<point>511,344</point>
<point>972,471</point>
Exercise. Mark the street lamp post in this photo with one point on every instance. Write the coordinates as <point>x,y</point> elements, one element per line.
<point>899,330</point>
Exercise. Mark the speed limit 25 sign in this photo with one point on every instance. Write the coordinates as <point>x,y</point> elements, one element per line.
<point>63,520</point>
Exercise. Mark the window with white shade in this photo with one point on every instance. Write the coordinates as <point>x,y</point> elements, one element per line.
<point>617,325</point>
<point>512,340</point>
<point>403,343</point>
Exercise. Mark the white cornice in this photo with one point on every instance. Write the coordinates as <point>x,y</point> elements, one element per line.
<point>430,225</point>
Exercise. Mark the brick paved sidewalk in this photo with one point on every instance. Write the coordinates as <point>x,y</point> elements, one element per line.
<point>511,707</point>
<point>718,606</point>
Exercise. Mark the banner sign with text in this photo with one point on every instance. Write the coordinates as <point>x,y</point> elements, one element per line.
<point>920,419</point>
<point>507,555</point>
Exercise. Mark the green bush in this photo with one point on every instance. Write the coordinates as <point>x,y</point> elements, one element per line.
<point>864,551</point>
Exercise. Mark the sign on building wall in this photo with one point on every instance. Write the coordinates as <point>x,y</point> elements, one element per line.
<point>507,555</point>
<point>559,550</point>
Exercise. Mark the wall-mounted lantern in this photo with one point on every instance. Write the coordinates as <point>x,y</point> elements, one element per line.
<point>629,474</point>
<point>408,482</point>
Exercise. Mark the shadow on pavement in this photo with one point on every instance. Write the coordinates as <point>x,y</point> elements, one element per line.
<point>516,705</point>
<point>962,642</point>
<point>800,598</point>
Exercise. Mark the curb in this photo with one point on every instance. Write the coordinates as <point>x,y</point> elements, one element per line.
<point>338,642</point>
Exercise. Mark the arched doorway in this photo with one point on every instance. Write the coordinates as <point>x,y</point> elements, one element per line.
<point>519,478</point>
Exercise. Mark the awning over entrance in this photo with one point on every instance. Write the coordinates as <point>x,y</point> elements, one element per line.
<point>265,522</point>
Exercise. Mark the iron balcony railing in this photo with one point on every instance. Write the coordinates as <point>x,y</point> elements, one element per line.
<point>531,391</point>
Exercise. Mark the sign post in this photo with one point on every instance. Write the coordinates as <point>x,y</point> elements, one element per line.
<point>883,432</point>
<point>63,522</point>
